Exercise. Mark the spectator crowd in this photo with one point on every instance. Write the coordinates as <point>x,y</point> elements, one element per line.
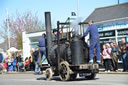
<point>111,54</point>
<point>14,62</point>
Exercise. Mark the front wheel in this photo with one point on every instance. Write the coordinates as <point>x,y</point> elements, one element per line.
<point>49,74</point>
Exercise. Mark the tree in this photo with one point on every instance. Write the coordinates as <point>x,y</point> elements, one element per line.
<point>26,22</point>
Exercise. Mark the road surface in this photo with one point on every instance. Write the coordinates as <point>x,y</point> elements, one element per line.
<point>31,79</point>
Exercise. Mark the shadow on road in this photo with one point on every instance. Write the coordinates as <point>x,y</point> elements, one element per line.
<point>56,78</point>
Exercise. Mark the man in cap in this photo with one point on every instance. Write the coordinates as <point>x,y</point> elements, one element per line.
<point>55,34</point>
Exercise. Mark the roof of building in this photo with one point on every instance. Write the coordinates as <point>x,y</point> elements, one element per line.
<point>109,13</point>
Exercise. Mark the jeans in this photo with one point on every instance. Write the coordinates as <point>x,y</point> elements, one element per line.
<point>127,63</point>
<point>124,62</point>
<point>19,66</point>
<point>14,68</point>
<point>37,68</point>
<point>10,68</point>
<point>94,43</point>
<point>42,51</point>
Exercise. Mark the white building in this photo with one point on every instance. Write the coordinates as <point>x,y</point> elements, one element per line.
<point>30,41</point>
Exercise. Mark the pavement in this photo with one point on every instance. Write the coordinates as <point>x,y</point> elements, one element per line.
<point>31,79</point>
<point>101,71</point>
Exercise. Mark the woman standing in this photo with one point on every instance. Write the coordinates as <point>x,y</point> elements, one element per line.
<point>115,55</point>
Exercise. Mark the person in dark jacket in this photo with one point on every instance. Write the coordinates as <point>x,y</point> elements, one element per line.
<point>55,40</point>
<point>115,55</point>
<point>126,57</point>
<point>122,49</point>
<point>1,58</point>
<point>19,62</point>
<point>94,41</point>
<point>42,45</point>
<point>36,60</point>
<point>55,34</point>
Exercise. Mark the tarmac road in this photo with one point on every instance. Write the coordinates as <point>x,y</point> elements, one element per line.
<point>31,79</point>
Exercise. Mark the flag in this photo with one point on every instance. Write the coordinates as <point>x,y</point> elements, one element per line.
<point>73,14</point>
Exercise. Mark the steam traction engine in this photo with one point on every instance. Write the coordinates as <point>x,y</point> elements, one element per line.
<point>71,57</point>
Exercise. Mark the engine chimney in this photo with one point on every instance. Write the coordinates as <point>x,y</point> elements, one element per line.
<point>48,33</point>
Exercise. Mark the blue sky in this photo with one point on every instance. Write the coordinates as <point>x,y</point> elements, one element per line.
<point>60,9</point>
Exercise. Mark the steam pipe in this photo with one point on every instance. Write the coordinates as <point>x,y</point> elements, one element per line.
<point>58,43</point>
<point>48,33</point>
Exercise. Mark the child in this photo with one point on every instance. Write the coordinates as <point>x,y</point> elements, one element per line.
<point>5,66</point>
<point>14,65</point>
<point>9,64</point>
<point>107,57</point>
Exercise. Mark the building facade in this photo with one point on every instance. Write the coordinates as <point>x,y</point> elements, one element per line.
<point>112,22</point>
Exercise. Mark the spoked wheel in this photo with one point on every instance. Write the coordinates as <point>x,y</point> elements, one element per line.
<point>49,74</point>
<point>90,77</point>
<point>65,71</point>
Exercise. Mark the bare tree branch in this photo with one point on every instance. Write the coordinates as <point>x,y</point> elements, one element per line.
<point>26,22</point>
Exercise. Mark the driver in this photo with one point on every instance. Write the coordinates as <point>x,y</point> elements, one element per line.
<point>94,41</point>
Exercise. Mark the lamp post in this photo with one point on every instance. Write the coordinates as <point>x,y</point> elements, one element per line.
<point>118,1</point>
<point>8,27</point>
<point>77,8</point>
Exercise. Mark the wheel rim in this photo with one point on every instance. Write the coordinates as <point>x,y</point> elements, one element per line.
<point>64,71</point>
<point>49,74</point>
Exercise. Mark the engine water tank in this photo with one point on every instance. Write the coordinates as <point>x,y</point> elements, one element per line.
<point>77,51</point>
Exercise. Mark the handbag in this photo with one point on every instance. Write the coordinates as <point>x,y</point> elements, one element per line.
<point>105,57</point>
